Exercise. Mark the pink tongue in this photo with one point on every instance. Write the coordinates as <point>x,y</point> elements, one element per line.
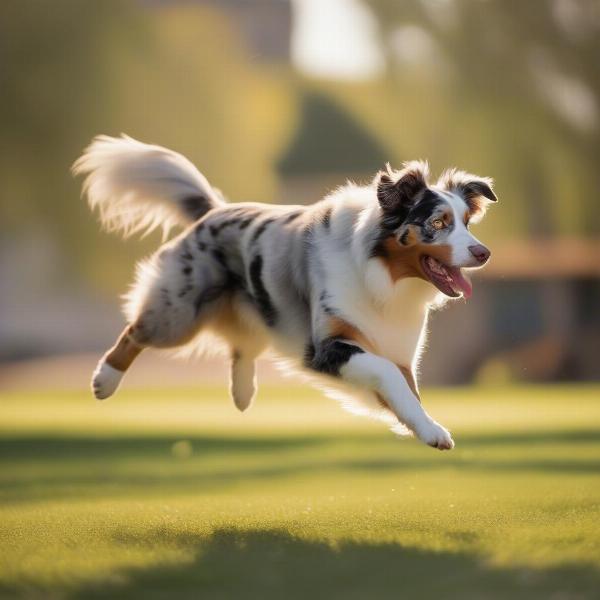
<point>460,282</point>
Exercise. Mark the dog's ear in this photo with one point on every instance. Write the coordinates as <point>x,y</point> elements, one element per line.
<point>397,191</point>
<point>476,191</point>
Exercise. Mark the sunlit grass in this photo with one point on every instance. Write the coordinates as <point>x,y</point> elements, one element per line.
<point>176,494</point>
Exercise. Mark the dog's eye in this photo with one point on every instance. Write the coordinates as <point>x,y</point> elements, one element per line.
<point>438,224</point>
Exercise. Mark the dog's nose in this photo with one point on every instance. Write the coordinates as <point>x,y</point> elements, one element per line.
<point>480,252</point>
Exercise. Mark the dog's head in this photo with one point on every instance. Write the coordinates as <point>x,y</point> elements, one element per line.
<point>428,225</point>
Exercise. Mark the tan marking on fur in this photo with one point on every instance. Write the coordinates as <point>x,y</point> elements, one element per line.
<point>343,329</point>
<point>410,379</point>
<point>467,217</point>
<point>412,237</point>
<point>404,261</point>
<point>382,401</point>
<point>477,206</point>
<point>340,328</point>
<point>124,352</point>
<point>448,217</point>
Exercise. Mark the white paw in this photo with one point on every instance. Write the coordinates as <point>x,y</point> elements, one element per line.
<point>105,380</point>
<point>433,434</point>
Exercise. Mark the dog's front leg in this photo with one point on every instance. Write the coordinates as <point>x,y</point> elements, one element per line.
<point>385,378</point>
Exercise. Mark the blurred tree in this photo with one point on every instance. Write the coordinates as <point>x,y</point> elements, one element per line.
<point>330,140</point>
<point>176,76</point>
<point>516,88</point>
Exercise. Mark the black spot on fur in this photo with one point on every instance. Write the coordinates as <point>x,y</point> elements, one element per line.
<point>327,309</point>
<point>236,282</point>
<point>291,217</point>
<point>208,295</point>
<point>198,233</point>
<point>261,229</point>
<point>220,257</point>
<point>216,229</point>
<point>187,270</point>
<point>387,226</point>
<point>229,223</point>
<point>421,214</point>
<point>194,207</point>
<point>472,189</point>
<point>426,206</point>
<point>245,222</point>
<point>201,246</point>
<point>164,293</point>
<point>378,249</point>
<point>309,353</point>
<point>330,355</point>
<point>261,295</point>
<point>325,306</point>
<point>326,219</point>
<point>390,222</point>
<point>185,290</point>
<point>307,234</point>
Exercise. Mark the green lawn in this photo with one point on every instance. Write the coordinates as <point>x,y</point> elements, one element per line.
<point>177,495</point>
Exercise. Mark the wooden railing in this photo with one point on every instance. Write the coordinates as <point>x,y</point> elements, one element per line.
<point>565,257</point>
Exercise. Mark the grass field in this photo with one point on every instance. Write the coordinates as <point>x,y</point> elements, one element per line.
<point>176,495</point>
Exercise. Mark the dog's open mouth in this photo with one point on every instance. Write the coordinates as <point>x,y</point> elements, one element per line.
<point>449,280</point>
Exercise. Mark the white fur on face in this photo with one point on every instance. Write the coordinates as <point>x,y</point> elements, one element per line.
<point>460,238</point>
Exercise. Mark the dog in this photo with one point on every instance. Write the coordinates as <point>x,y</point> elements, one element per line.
<point>340,289</point>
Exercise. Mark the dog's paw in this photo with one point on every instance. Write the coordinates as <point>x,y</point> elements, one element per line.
<point>105,380</point>
<point>436,436</point>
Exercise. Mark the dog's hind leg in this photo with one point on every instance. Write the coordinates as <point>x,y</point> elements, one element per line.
<point>242,387</point>
<point>246,344</point>
<point>177,292</point>
<point>113,364</point>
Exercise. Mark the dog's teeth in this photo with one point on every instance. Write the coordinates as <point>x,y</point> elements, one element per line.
<point>435,266</point>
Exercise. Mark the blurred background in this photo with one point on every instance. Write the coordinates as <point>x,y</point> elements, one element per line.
<point>281,101</point>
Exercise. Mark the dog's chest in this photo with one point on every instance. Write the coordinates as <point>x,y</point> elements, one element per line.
<point>394,330</point>
<point>395,336</point>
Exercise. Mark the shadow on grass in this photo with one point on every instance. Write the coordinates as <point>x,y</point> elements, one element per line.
<point>269,564</point>
<point>99,467</point>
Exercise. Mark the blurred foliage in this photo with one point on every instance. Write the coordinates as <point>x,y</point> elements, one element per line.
<point>178,76</point>
<point>330,140</point>
<point>502,88</point>
<point>509,89</point>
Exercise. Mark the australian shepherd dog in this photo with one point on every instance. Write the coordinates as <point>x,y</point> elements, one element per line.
<point>340,289</point>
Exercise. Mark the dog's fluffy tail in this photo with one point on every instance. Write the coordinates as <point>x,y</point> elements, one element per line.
<point>138,187</point>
